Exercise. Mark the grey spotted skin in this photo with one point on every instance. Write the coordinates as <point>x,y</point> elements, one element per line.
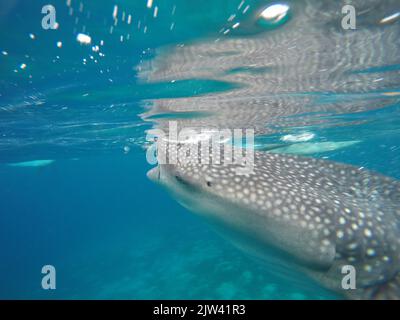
<point>321,215</point>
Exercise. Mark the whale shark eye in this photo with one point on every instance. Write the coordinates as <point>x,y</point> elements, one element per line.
<point>209,183</point>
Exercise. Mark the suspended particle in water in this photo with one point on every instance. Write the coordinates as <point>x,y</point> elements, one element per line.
<point>115,12</point>
<point>83,38</point>
<point>22,66</point>
<point>127,149</point>
<point>390,18</point>
<point>275,14</point>
<point>59,44</point>
<point>301,137</point>
<point>32,36</point>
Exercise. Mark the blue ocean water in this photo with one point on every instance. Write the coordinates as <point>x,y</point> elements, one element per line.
<point>92,212</point>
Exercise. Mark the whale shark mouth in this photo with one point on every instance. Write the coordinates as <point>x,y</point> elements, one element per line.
<point>154,174</point>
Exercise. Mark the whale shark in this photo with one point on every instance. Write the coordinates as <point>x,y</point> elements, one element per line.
<point>292,211</point>
<point>314,215</point>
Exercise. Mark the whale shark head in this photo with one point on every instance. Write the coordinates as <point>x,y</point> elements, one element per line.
<point>253,204</point>
<point>318,215</point>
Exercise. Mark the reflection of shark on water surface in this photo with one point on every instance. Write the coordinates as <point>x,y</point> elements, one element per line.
<point>315,215</point>
<point>309,58</point>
